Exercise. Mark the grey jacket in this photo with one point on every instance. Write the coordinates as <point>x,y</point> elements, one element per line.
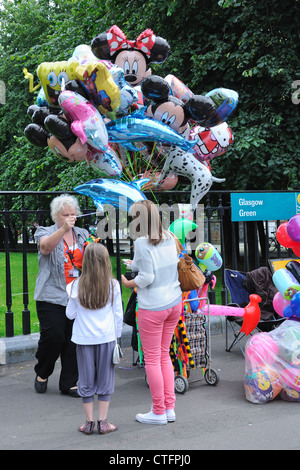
<point>51,283</point>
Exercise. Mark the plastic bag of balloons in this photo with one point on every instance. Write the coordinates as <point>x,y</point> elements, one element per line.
<point>272,364</point>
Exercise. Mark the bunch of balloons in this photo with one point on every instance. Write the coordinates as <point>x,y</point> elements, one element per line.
<point>104,100</point>
<point>272,364</point>
<point>286,301</point>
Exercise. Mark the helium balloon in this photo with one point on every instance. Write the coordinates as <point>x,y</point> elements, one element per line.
<point>225,101</point>
<point>181,227</point>
<point>83,55</point>
<point>100,87</point>
<point>262,384</point>
<point>286,283</point>
<point>208,257</point>
<point>86,121</point>
<point>293,309</point>
<point>107,162</point>
<point>137,127</point>
<point>283,237</point>
<point>117,193</point>
<point>128,94</point>
<point>279,303</point>
<point>179,89</point>
<point>291,377</point>
<point>261,348</point>
<point>293,228</point>
<point>185,164</point>
<point>213,141</point>
<point>52,74</point>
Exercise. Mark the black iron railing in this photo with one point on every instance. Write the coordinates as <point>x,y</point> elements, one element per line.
<point>243,246</point>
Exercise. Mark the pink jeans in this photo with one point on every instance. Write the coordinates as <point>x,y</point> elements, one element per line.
<point>156,329</point>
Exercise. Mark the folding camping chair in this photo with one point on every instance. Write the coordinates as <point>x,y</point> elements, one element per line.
<point>240,298</point>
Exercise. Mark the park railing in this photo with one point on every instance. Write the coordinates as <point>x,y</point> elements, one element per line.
<point>242,245</point>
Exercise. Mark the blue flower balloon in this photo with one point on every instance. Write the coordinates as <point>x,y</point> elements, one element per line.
<point>117,193</point>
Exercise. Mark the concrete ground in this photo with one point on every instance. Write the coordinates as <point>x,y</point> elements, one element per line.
<point>208,417</point>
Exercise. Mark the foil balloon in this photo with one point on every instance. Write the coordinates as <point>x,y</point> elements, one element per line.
<point>128,94</point>
<point>86,121</point>
<point>107,162</point>
<point>184,163</point>
<point>83,55</point>
<point>225,101</point>
<point>138,127</point>
<point>100,87</point>
<point>178,88</point>
<point>181,227</point>
<point>213,141</point>
<point>262,384</point>
<point>117,193</point>
<point>208,257</point>
<point>52,75</point>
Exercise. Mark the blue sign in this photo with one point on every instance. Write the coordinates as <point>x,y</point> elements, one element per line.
<point>264,206</point>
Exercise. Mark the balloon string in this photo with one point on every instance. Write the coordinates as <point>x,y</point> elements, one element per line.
<point>84,215</point>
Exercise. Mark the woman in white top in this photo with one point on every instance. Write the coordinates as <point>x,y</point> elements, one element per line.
<point>95,304</point>
<point>159,306</point>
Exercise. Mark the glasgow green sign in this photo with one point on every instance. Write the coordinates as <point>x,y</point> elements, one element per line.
<point>264,206</point>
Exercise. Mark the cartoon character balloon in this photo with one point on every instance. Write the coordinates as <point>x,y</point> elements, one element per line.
<point>52,74</point>
<point>134,57</point>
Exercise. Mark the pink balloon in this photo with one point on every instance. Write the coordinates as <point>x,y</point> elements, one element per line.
<point>293,228</point>
<point>279,303</point>
<point>261,348</point>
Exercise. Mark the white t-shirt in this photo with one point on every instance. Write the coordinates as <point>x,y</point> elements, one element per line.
<point>157,279</point>
<point>94,326</point>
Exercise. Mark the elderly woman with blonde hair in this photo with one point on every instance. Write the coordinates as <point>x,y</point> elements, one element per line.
<point>60,259</point>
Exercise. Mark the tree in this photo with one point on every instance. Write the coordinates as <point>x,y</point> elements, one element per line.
<point>248,46</point>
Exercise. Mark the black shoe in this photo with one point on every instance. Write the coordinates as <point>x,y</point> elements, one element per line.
<point>71,392</point>
<point>40,387</point>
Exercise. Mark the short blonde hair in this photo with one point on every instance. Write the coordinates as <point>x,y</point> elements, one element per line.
<point>60,202</point>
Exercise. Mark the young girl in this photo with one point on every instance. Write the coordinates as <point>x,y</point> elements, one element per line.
<point>159,306</point>
<point>95,305</point>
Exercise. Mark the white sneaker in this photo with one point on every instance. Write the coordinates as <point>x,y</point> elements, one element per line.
<point>151,418</point>
<point>171,417</point>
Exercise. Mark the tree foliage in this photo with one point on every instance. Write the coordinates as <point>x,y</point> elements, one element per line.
<point>249,46</point>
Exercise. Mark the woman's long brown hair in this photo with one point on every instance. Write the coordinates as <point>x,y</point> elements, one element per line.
<point>95,286</point>
<point>147,221</point>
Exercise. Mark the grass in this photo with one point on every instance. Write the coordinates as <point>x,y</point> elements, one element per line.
<point>16,268</point>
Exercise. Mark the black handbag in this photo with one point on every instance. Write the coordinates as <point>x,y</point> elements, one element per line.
<point>129,315</point>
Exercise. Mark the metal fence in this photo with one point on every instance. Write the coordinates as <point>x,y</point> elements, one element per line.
<point>242,246</point>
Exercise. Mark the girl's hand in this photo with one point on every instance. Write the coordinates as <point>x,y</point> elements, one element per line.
<point>128,283</point>
<point>124,281</point>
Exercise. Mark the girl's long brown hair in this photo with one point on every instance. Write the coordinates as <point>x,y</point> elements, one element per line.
<point>95,286</point>
<point>147,221</point>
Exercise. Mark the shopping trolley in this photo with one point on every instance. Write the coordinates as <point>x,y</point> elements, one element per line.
<point>191,344</point>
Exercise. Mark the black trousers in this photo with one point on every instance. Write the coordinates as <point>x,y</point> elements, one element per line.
<point>55,342</point>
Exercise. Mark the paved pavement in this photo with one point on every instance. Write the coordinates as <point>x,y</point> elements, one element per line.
<point>208,417</point>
